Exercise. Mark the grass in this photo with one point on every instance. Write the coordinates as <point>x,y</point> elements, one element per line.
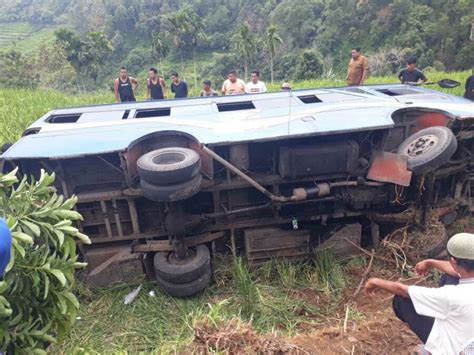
<point>161,324</point>
<point>20,107</point>
<point>277,297</point>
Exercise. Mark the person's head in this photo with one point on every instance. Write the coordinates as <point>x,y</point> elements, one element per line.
<point>175,77</point>
<point>461,253</point>
<point>355,52</point>
<point>232,76</point>
<point>411,63</point>
<point>206,85</point>
<point>123,73</point>
<point>255,76</point>
<point>285,87</point>
<point>152,73</point>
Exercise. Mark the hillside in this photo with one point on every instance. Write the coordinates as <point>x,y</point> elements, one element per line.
<point>24,36</point>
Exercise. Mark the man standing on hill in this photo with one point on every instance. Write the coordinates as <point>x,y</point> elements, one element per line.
<point>255,85</point>
<point>124,86</point>
<point>443,317</point>
<point>233,85</point>
<point>358,68</point>
<point>411,75</point>
<point>156,85</point>
<point>179,87</point>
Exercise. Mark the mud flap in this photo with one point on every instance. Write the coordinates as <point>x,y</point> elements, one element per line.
<point>390,167</point>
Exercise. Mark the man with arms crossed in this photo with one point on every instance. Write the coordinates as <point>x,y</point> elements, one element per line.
<point>124,86</point>
<point>443,318</point>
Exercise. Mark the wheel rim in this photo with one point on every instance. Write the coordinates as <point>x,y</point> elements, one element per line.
<point>421,145</point>
<point>173,259</point>
<point>168,158</point>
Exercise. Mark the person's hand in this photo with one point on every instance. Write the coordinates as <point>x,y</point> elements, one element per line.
<point>422,268</point>
<point>371,286</point>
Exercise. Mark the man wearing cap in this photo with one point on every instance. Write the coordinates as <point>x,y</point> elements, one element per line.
<point>443,318</point>
<point>207,89</point>
<point>285,87</point>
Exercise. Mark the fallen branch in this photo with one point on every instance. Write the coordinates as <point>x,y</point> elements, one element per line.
<point>366,273</point>
<point>369,254</point>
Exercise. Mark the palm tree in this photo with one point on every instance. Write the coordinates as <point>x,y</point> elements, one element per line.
<point>245,45</point>
<point>160,47</point>
<point>272,41</point>
<point>179,28</point>
<point>196,34</point>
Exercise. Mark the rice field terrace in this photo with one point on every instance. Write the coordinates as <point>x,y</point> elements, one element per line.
<point>23,36</point>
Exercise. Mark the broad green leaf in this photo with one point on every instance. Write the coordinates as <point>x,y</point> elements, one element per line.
<point>46,285</point>
<point>83,238</point>
<point>72,298</point>
<point>23,237</point>
<point>3,286</point>
<point>59,275</point>
<point>32,227</point>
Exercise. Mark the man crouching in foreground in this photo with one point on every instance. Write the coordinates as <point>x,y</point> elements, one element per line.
<point>443,318</point>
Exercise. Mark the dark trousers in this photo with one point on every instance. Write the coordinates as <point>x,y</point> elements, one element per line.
<point>405,311</point>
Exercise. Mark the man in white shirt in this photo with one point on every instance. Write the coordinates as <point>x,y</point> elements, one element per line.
<point>443,318</point>
<point>255,85</point>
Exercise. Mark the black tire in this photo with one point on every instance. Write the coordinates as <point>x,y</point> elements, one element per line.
<point>170,269</point>
<point>185,289</point>
<point>169,166</point>
<point>428,149</point>
<point>176,192</point>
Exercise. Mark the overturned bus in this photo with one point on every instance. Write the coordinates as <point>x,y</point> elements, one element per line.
<point>164,185</point>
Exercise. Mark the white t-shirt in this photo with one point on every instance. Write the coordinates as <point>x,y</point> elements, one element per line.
<point>251,88</point>
<point>452,307</point>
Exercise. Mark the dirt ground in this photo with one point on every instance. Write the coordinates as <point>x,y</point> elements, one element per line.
<point>357,325</point>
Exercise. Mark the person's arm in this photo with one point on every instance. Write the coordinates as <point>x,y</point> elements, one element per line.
<point>134,82</point>
<point>400,77</point>
<point>396,288</point>
<point>365,72</point>
<point>163,86</point>
<point>242,87</point>
<point>223,88</point>
<point>264,87</point>
<point>423,78</point>
<point>116,90</point>
<point>148,91</point>
<point>185,88</point>
<point>442,265</point>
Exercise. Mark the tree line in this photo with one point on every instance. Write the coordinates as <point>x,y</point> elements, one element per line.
<point>286,40</point>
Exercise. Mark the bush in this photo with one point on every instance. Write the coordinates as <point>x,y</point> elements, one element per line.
<point>37,305</point>
<point>310,66</point>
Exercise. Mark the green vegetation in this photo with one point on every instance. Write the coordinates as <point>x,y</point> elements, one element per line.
<point>284,39</point>
<point>276,297</point>
<point>24,36</point>
<point>37,304</point>
<point>20,107</point>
